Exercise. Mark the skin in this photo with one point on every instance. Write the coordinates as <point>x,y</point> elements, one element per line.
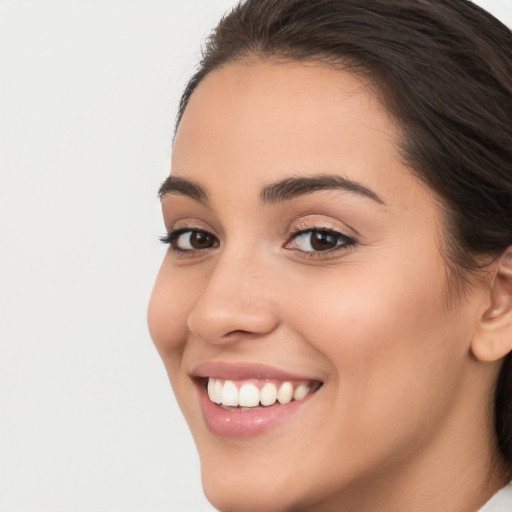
<point>401,422</point>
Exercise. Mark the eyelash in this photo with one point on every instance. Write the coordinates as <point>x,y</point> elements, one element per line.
<point>344,242</point>
<point>172,236</point>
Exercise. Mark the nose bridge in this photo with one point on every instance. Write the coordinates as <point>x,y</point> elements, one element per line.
<point>236,298</point>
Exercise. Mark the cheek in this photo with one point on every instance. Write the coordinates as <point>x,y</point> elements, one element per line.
<point>395,355</point>
<point>369,305</point>
<point>168,311</point>
<point>388,336</point>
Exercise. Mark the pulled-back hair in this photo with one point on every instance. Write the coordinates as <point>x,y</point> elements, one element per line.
<point>443,70</point>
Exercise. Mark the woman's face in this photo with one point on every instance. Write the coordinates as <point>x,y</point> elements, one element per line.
<point>305,260</point>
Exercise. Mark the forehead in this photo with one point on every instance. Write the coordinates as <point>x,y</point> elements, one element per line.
<point>254,123</point>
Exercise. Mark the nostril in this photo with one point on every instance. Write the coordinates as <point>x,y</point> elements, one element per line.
<point>239,335</point>
<point>238,332</point>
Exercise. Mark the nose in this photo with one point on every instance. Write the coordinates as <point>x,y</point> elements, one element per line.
<point>235,303</point>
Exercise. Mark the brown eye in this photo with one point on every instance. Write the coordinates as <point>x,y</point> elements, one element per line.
<point>201,240</point>
<point>193,240</point>
<point>319,240</point>
<point>322,240</point>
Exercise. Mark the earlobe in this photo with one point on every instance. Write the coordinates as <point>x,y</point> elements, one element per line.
<point>493,339</point>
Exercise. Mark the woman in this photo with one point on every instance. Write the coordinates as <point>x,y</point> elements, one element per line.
<point>335,308</point>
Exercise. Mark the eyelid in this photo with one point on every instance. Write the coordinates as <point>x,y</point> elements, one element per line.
<point>189,224</point>
<point>301,224</point>
<point>174,233</point>
<point>300,232</point>
<point>316,225</point>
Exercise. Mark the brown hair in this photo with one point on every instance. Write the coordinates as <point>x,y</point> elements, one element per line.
<point>443,68</point>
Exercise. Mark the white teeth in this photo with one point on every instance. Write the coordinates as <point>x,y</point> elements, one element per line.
<point>285,393</point>
<point>230,394</point>
<point>300,392</point>
<point>211,390</point>
<point>218,391</point>
<point>215,390</point>
<point>248,395</point>
<point>268,394</point>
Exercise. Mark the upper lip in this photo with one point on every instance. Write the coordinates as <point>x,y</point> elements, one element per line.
<point>242,371</point>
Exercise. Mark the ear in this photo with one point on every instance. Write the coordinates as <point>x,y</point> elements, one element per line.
<point>493,339</point>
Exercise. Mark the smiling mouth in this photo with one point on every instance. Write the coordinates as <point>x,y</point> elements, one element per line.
<point>253,394</point>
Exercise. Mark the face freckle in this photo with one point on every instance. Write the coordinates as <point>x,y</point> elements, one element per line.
<point>356,315</point>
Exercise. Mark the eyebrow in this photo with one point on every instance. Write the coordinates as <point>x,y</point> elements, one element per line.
<point>293,187</point>
<point>182,186</point>
<point>283,190</point>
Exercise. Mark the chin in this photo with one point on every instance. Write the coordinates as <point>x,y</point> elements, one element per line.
<point>261,479</point>
<point>228,492</point>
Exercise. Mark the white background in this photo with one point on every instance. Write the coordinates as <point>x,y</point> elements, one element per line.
<point>88,95</point>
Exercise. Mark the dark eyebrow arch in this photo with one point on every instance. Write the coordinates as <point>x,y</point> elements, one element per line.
<point>290,188</point>
<point>182,186</point>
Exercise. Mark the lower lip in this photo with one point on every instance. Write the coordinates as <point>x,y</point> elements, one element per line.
<point>242,425</point>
